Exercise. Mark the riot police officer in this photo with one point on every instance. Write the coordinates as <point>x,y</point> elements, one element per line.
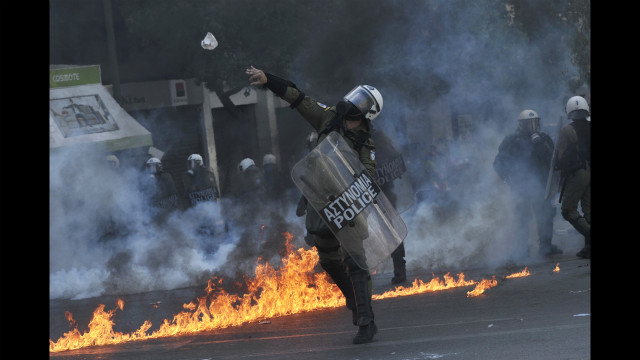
<point>198,181</point>
<point>161,187</point>
<point>351,119</point>
<point>523,162</point>
<point>251,180</point>
<point>272,178</point>
<point>574,163</point>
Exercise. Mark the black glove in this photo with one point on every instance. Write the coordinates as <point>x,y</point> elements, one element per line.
<point>277,84</point>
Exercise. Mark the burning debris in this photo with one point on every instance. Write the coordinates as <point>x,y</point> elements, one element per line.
<point>419,286</point>
<point>482,286</point>
<point>557,268</point>
<point>293,288</point>
<point>522,273</point>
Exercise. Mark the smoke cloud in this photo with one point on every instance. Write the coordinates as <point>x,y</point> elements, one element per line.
<point>430,61</point>
<point>475,74</point>
<point>105,238</point>
<point>442,60</point>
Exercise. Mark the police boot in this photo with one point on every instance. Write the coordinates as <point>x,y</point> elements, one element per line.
<point>362,292</point>
<point>338,272</point>
<point>399,269</point>
<point>585,253</point>
<point>547,248</point>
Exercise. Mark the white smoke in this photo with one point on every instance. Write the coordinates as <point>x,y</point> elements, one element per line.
<point>457,44</point>
<point>454,53</point>
<point>105,238</point>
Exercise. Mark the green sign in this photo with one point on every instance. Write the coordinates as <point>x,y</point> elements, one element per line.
<point>74,76</point>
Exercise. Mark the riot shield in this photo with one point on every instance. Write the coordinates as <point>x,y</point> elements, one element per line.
<point>553,179</point>
<point>391,173</point>
<point>338,187</point>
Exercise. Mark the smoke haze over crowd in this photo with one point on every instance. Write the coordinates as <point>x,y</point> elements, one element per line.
<point>426,59</point>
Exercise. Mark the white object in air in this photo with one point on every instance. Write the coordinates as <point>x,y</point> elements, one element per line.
<point>209,42</point>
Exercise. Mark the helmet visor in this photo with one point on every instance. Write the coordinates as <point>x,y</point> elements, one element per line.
<point>193,163</point>
<point>530,125</point>
<point>153,168</point>
<point>362,99</point>
<point>578,114</point>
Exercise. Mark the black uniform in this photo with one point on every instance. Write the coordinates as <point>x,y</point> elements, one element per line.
<point>163,193</point>
<point>574,162</point>
<point>199,185</point>
<point>523,162</point>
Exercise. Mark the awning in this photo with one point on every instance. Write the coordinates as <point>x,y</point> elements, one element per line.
<point>87,115</point>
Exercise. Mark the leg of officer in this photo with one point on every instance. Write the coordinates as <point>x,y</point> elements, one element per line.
<point>576,188</point>
<point>331,257</point>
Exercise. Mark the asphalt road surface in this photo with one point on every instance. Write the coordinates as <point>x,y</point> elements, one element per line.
<point>546,315</point>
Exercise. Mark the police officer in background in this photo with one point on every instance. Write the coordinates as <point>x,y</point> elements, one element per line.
<point>523,162</point>
<point>350,118</point>
<point>251,180</point>
<point>272,180</point>
<point>574,163</point>
<point>161,187</point>
<point>199,181</point>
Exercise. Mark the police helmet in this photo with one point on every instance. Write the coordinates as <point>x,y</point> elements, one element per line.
<point>113,161</point>
<point>268,159</point>
<point>366,99</point>
<point>153,165</point>
<point>245,164</point>
<point>528,120</point>
<point>194,160</point>
<point>577,108</point>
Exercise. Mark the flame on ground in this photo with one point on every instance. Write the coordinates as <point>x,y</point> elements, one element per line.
<point>291,289</point>
<point>419,286</point>
<point>482,286</point>
<point>522,273</point>
<point>557,268</point>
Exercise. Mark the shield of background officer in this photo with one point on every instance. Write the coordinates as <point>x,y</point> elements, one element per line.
<point>553,179</point>
<point>391,173</point>
<point>338,186</point>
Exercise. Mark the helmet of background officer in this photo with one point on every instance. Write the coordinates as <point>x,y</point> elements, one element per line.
<point>245,164</point>
<point>153,166</point>
<point>577,108</point>
<point>113,161</point>
<point>529,121</point>
<point>366,99</point>
<point>268,159</point>
<point>193,161</point>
